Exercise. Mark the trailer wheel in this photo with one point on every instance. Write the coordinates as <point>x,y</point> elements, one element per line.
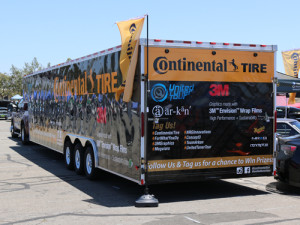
<point>13,134</point>
<point>69,155</point>
<point>78,158</point>
<point>89,165</point>
<point>24,136</point>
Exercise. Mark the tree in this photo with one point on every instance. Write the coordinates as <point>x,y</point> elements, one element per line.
<point>4,85</point>
<point>15,83</point>
<point>32,67</point>
<point>11,85</point>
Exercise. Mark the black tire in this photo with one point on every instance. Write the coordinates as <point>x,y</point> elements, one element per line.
<point>78,159</point>
<point>13,134</point>
<point>24,136</point>
<point>69,155</point>
<point>89,163</point>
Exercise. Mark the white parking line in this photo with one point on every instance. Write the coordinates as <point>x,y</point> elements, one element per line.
<point>196,221</point>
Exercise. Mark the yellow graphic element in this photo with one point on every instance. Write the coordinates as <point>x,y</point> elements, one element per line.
<point>291,65</point>
<point>105,83</point>
<point>207,163</point>
<point>130,31</point>
<point>291,62</point>
<point>259,130</point>
<point>183,64</point>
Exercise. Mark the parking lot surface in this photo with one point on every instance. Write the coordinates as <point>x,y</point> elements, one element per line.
<point>36,188</point>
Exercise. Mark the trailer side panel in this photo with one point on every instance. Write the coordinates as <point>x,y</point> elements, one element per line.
<point>77,102</point>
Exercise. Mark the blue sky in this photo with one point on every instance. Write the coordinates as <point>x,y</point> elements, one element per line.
<point>54,30</point>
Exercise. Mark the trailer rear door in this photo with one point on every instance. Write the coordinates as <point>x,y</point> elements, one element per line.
<point>210,113</point>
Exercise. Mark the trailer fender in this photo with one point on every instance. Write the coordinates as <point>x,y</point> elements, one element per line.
<point>83,141</point>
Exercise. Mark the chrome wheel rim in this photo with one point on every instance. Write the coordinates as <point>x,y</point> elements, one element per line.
<point>77,159</point>
<point>23,134</point>
<point>89,163</point>
<point>68,156</point>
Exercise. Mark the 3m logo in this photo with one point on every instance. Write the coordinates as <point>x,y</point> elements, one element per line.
<point>219,90</point>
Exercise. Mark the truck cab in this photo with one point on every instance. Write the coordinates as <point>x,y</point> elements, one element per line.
<point>19,122</point>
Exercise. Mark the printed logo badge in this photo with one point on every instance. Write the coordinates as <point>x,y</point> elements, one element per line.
<point>180,91</point>
<point>159,92</point>
<point>247,170</point>
<point>239,170</point>
<point>259,130</point>
<point>235,67</point>
<point>157,111</point>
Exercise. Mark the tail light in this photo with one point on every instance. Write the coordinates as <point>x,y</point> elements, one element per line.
<point>142,124</point>
<point>288,149</point>
<point>275,121</point>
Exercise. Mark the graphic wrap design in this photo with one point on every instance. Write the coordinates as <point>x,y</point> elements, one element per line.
<point>209,113</point>
<point>239,118</point>
<point>79,99</point>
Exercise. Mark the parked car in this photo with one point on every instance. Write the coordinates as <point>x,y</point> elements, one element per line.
<point>3,113</point>
<point>11,108</point>
<point>19,122</point>
<point>288,159</point>
<point>288,127</point>
<point>288,112</point>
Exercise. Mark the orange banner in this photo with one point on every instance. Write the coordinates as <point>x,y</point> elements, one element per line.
<point>291,65</point>
<point>130,31</point>
<point>291,62</point>
<point>183,64</point>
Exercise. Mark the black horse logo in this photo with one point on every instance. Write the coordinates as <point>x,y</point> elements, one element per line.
<point>235,67</point>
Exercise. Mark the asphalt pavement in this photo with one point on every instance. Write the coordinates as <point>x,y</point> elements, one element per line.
<point>36,188</point>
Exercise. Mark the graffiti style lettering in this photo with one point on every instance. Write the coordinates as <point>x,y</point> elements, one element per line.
<point>104,83</point>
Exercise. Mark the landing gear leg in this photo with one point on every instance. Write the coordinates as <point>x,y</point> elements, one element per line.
<point>146,200</point>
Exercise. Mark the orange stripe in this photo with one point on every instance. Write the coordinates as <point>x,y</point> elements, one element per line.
<point>208,163</point>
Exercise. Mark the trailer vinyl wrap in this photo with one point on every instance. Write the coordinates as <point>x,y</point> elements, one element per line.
<point>210,114</point>
<point>79,99</point>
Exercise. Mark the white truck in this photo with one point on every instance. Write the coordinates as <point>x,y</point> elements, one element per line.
<point>199,110</point>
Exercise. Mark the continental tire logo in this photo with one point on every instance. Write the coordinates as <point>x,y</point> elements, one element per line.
<point>162,65</point>
<point>129,50</point>
<point>295,58</point>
